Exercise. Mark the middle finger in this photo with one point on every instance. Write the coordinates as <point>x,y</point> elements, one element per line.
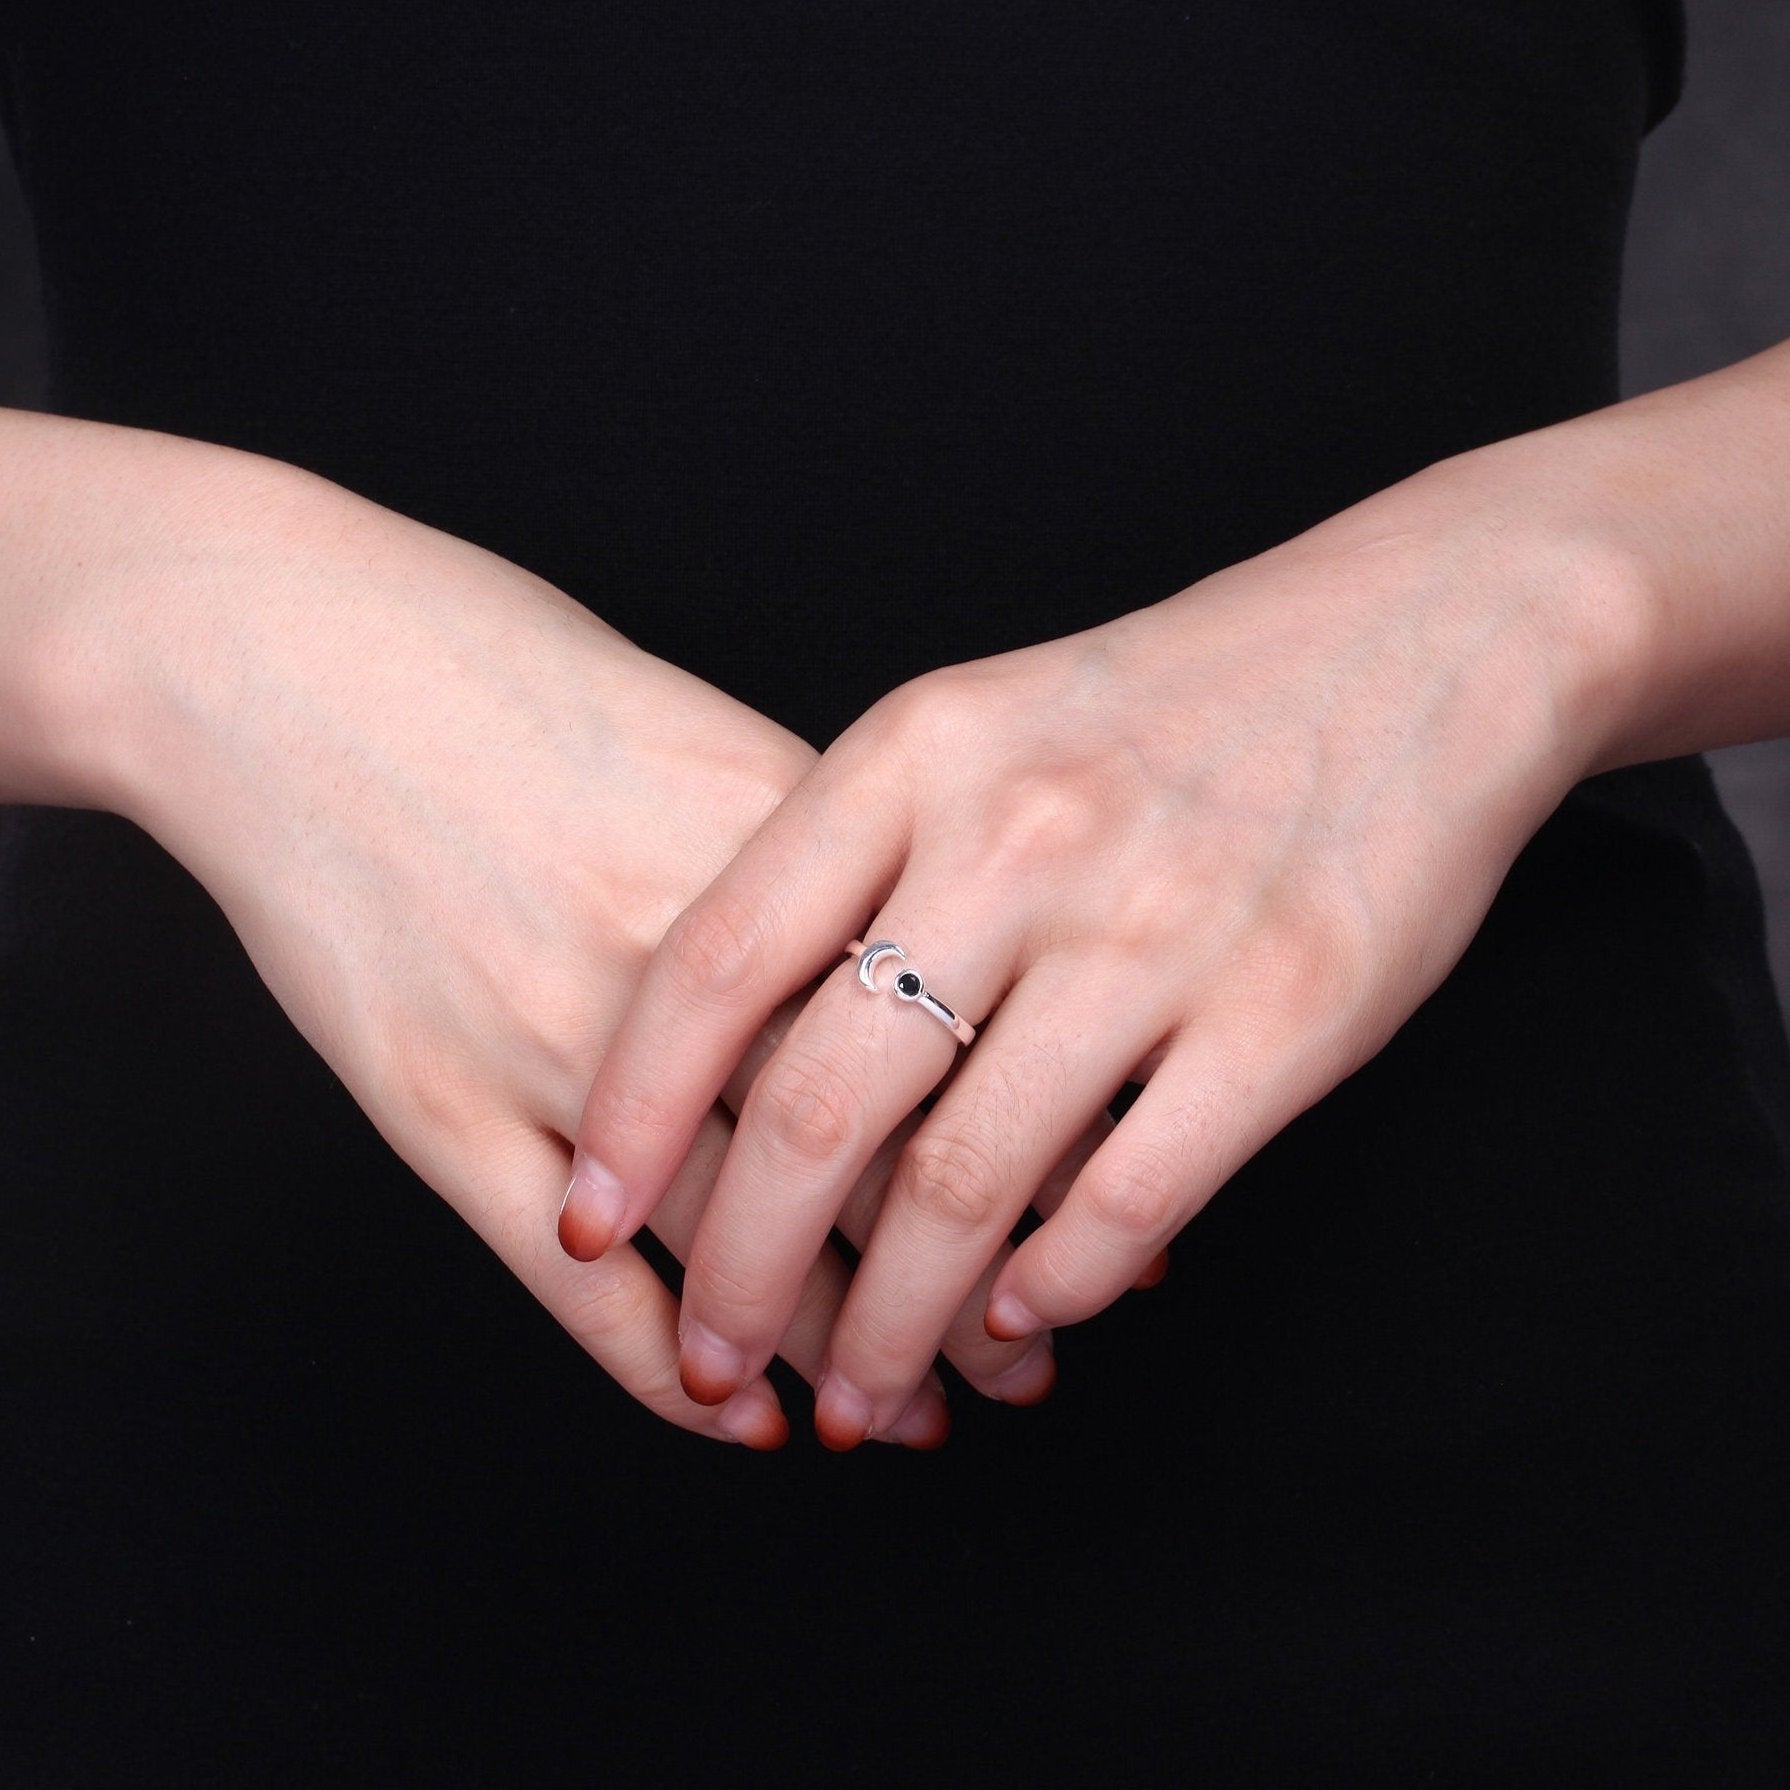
<point>1039,1076</point>
<point>852,1066</point>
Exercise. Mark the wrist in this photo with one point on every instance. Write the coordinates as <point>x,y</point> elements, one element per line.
<point>1548,509</point>
<point>1673,501</point>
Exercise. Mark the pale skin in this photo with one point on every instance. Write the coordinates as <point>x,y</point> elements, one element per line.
<point>448,811</point>
<point>1223,845</point>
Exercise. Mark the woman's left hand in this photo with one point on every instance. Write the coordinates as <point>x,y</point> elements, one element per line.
<point>1223,846</point>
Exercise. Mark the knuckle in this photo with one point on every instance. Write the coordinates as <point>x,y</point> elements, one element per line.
<point>730,1291</point>
<point>713,947</point>
<point>806,1107</point>
<point>554,1026</point>
<point>933,712</point>
<point>641,1109</point>
<point>873,1347</point>
<point>1055,1275</point>
<point>1046,816</point>
<point>433,1082</point>
<point>1306,968</point>
<point>913,707</point>
<point>893,715</point>
<point>1139,1198</point>
<point>607,1301</point>
<point>951,1179</point>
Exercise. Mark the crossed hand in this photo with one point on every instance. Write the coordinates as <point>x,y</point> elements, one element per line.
<point>528,887</point>
<point>1222,846</point>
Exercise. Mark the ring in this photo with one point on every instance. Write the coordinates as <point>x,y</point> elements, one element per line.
<point>907,985</point>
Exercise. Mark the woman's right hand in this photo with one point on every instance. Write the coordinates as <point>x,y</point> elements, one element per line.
<point>450,813</point>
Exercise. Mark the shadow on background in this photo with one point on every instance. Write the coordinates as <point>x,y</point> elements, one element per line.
<point>1708,282</point>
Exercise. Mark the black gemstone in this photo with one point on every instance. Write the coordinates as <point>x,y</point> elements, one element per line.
<point>907,983</point>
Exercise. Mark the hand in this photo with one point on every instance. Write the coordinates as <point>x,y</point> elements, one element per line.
<point>450,813</point>
<point>1223,846</point>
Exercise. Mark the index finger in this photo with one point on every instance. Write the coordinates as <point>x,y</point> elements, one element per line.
<point>768,924</point>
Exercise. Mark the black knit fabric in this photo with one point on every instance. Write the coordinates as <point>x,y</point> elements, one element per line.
<point>1453,1449</point>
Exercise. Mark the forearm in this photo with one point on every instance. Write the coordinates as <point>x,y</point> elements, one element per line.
<point>170,607</point>
<point>87,512</point>
<point>1683,495</point>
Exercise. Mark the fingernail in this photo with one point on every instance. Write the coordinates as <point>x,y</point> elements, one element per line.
<point>710,1367</point>
<point>1030,1380</point>
<point>754,1417</point>
<point>1009,1318</point>
<point>1153,1275</point>
<point>592,1211</point>
<point>926,1422</point>
<point>841,1412</point>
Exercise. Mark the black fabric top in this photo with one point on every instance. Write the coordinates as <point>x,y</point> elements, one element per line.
<point>1451,1452</point>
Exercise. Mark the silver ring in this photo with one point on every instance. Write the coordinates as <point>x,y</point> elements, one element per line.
<point>907,985</point>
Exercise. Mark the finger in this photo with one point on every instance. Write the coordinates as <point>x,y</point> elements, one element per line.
<point>1154,1275</point>
<point>1025,1371</point>
<point>1026,1374</point>
<point>1043,1070</point>
<point>777,916</point>
<point>856,1062</point>
<point>1051,1195</point>
<point>618,1309</point>
<point>1049,1198</point>
<point>1021,1373</point>
<point>1223,1090</point>
<point>823,1292</point>
<point>1016,1373</point>
<point>763,1046</point>
<point>927,1421</point>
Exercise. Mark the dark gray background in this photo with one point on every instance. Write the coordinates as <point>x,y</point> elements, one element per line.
<point>1708,282</point>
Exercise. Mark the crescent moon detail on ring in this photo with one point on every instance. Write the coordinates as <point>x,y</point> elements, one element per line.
<point>867,959</point>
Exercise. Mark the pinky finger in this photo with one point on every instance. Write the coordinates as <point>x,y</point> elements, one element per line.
<point>1051,1195</point>
<point>1200,1117</point>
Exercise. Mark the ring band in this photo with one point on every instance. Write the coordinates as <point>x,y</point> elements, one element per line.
<point>907,986</point>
